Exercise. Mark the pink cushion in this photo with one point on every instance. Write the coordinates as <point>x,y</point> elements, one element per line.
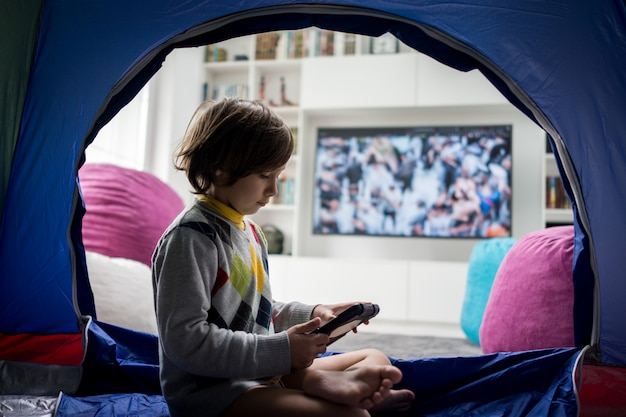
<point>532,298</point>
<point>127,211</point>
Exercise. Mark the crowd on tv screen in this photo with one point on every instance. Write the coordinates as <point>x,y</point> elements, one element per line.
<point>434,185</point>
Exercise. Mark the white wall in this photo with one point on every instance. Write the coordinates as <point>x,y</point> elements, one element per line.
<point>175,93</point>
<point>123,139</point>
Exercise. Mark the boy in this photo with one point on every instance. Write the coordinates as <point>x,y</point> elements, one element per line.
<point>226,347</point>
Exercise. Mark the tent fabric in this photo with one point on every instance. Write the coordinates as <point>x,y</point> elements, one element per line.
<point>120,360</point>
<point>112,405</point>
<point>533,383</point>
<point>68,67</point>
<point>602,391</point>
<point>18,33</point>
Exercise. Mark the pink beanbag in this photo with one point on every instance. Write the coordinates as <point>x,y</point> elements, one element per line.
<point>532,298</point>
<point>127,211</point>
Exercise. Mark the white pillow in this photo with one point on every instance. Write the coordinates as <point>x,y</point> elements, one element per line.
<point>122,290</point>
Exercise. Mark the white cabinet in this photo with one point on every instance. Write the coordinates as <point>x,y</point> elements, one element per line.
<point>416,297</point>
<point>402,80</point>
<point>356,81</point>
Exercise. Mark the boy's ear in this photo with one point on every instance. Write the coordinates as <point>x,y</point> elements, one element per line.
<point>220,177</point>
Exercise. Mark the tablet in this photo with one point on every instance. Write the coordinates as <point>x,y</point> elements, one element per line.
<point>347,320</point>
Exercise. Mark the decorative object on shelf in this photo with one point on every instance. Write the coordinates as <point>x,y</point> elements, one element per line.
<point>283,95</point>
<point>284,101</point>
<point>275,239</point>
<point>384,44</point>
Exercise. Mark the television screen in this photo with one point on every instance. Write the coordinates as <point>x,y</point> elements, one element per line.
<point>448,181</point>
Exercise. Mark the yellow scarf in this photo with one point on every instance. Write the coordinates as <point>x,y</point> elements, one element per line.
<point>226,211</point>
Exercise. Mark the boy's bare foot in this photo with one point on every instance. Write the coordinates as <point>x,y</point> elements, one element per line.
<point>397,400</point>
<point>362,387</point>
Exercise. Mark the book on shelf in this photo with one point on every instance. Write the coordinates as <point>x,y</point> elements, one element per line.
<point>321,42</point>
<point>266,44</point>
<point>298,46</point>
<point>220,91</point>
<point>285,191</point>
<point>556,198</point>
<point>349,44</point>
<point>293,44</point>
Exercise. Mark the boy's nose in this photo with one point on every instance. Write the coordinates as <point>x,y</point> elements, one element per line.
<point>272,189</point>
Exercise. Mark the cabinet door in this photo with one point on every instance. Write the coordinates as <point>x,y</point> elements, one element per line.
<point>359,81</point>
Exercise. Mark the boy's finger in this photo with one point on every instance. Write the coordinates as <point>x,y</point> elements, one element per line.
<point>310,325</point>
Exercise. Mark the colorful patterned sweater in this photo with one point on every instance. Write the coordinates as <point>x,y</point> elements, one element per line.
<point>216,318</point>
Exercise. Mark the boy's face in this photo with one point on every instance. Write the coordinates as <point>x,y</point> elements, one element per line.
<point>250,193</point>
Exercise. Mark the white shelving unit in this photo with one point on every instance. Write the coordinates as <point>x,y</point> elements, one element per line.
<point>364,89</point>
<point>554,215</point>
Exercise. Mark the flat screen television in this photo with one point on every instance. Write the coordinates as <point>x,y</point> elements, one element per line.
<point>428,181</point>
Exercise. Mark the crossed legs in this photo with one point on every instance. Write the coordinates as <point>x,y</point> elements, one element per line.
<point>344,385</point>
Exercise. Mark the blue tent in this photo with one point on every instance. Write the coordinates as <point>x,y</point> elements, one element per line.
<point>69,66</point>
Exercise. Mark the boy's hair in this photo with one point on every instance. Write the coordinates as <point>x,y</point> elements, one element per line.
<point>235,136</point>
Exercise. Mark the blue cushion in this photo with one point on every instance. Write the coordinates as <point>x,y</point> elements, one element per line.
<point>483,264</point>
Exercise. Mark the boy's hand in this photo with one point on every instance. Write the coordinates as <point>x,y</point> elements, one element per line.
<point>304,346</point>
<point>327,312</point>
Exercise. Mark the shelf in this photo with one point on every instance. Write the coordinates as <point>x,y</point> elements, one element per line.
<point>266,65</point>
<point>227,66</point>
<point>292,64</point>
